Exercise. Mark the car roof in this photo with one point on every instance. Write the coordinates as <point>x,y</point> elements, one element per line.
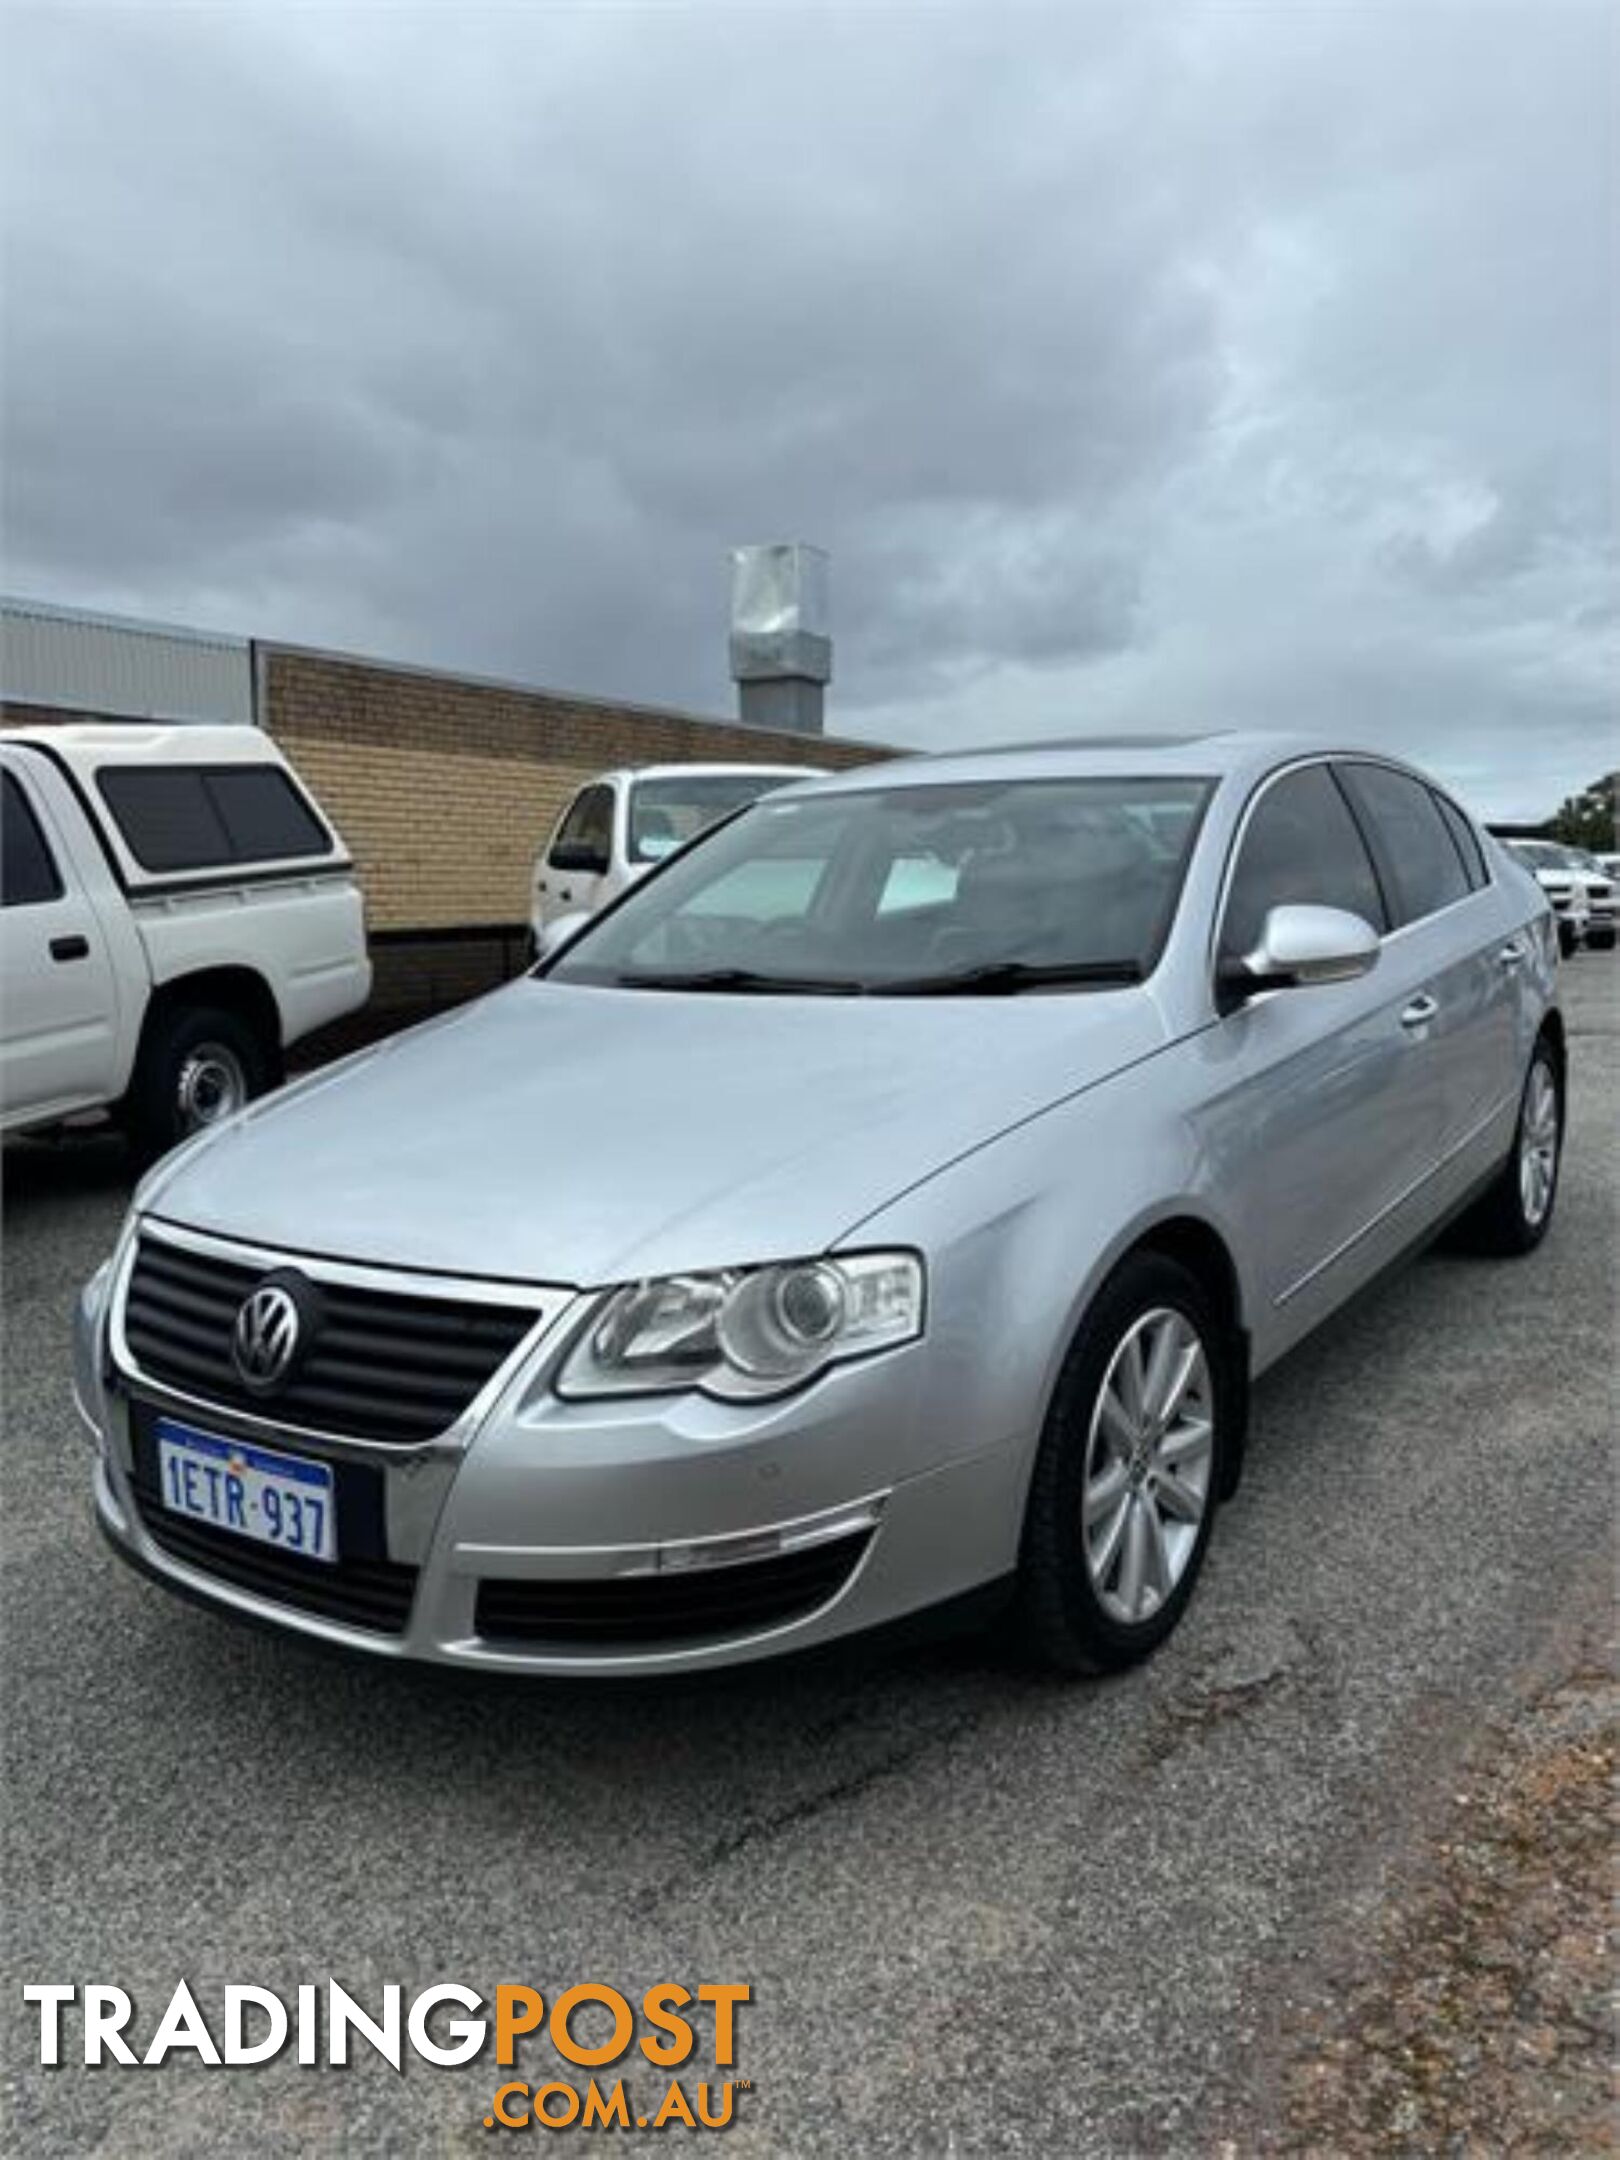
<point>1215,755</point>
<point>703,769</point>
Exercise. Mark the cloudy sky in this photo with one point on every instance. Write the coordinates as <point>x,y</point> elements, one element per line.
<point>1137,364</point>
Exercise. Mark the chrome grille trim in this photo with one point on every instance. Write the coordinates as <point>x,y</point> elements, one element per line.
<point>547,1303</point>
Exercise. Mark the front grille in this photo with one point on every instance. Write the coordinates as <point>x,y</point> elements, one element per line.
<point>675,1607</point>
<point>361,1589</point>
<point>381,1365</point>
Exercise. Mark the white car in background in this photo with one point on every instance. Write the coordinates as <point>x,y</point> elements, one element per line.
<point>1602,896</point>
<point>1582,894</point>
<point>176,911</point>
<point>623,823</point>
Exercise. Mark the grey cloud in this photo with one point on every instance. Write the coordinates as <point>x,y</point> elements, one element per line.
<point>1134,362</point>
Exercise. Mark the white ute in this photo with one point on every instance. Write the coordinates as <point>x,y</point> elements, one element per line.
<point>176,911</point>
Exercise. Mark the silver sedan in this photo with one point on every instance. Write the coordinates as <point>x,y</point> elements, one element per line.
<point>885,1206</point>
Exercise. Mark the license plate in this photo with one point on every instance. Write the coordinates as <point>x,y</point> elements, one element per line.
<point>281,1500</point>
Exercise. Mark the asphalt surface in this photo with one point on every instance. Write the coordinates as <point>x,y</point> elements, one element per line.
<point>980,1911</point>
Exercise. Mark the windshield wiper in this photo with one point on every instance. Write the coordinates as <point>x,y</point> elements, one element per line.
<point>996,978</point>
<point>1007,977</point>
<point>745,981</point>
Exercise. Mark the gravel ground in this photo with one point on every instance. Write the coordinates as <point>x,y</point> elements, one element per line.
<point>1481,2018</point>
<point>980,1911</point>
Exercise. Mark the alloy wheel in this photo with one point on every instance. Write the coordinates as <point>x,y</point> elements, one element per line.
<point>1149,1457</point>
<point>1538,1143</point>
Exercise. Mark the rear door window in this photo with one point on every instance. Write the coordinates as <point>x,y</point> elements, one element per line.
<point>1467,840</point>
<point>1301,847</point>
<point>196,817</point>
<point>1421,860</point>
<point>28,872</point>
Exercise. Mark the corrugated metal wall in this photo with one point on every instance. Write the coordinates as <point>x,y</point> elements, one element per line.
<point>60,657</point>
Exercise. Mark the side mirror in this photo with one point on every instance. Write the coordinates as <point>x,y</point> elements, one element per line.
<point>1301,947</point>
<point>583,856</point>
<point>559,933</point>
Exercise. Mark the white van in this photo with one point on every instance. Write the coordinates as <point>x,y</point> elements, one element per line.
<point>622,823</point>
<point>174,911</point>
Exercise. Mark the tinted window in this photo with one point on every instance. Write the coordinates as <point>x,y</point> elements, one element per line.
<point>264,815</point>
<point>589,823</point>
<point>1301,848</point>
<point>27,871</point>
<point>1417,849</point>
<point>1467,840</point>
<point>192,817</point>
<point>165,816</point>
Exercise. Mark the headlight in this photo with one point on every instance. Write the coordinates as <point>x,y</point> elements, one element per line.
<point>747,1332</point>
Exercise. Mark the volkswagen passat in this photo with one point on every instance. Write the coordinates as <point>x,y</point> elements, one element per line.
<point>889,1200</point>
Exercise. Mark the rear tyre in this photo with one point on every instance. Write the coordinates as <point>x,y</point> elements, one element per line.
<point>1513,1214</point>
<point>198,1065</point>
<point>1128,1472</point>
<point>1567,940</point>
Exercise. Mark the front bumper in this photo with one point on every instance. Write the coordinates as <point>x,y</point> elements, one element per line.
<point>637,1536</point>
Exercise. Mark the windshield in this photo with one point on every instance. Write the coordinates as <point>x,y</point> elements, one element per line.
<point>665,814</point>
<point>1545,855</point>
<point>994,885</point>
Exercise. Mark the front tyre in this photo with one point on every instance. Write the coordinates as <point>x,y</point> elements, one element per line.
<point>1124,1489</point>
<point>198,1066</point>
<point>1513,1214</point>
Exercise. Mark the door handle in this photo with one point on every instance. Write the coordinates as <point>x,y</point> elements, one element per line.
<point>70,948</point>
<point>1420,1011</point>
<point>1511,956</point>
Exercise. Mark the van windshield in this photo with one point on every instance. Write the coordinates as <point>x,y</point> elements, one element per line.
<point>923,889</point>
<point>1547,855</point>
<point>666,813</point>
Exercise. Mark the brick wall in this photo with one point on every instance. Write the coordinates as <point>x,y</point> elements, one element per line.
<point>445,788</point>
<point>15,714</point>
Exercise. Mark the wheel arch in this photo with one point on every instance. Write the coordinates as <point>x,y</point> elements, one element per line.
<point>1194,1243</point>
<point>241,990</point>
<point>1552,1031</point>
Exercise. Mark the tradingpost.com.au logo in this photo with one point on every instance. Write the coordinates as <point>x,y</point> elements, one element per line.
<point>661,2059</point>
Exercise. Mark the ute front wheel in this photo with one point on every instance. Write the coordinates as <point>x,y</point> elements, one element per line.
<point>197,1067</point>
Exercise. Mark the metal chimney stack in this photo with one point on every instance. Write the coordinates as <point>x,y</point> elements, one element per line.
<point>781,647</point>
